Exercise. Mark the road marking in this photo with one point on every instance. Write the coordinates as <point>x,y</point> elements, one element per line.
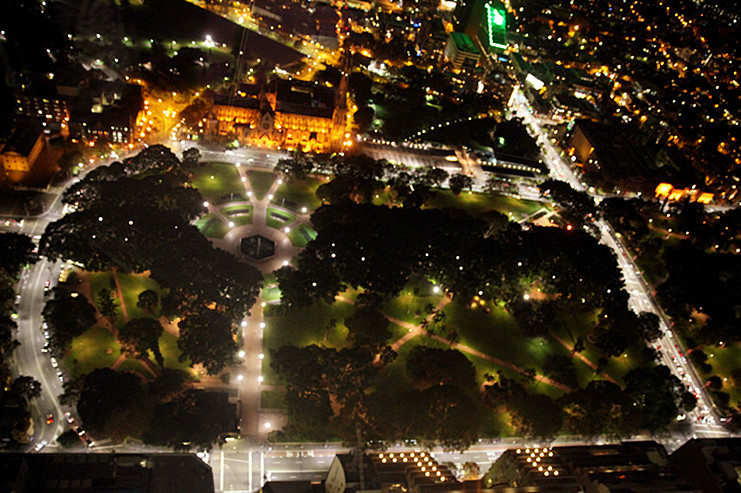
<point>221,472</point>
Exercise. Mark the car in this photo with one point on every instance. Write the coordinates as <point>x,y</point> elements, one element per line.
<point>80,431</point>
<point>54,362</point>
<point>69,417</point>
<point>40,445</point>
<point>46,285</point>
<point>49,419</point>
<point>90,443</point>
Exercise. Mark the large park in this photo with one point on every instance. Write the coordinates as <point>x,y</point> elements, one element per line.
<point>388,305</point>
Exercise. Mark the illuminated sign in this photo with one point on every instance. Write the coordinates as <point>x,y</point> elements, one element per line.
<point>496,25</point>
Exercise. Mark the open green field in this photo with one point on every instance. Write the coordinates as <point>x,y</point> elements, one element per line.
<point>724,360</point>
<point>278,218</point>
<point>96,348</point>
<point>272,399</point>
<point>131,286</point>
<point>212,226</point>
<point>476,203</point>
<point>170,352</point>
<point>260,181</point>
<point>302,193</point>
<point>218,182</point>
<point>301,235</point>
<point>319,324</point>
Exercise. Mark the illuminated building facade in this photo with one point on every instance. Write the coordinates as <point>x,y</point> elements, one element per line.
<point>23,148</point>
<point>461,51</point>
<point>284,115</point>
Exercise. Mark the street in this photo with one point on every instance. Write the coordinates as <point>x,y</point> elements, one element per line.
<point>705,417</point>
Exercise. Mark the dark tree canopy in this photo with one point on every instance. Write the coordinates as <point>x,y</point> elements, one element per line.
<point>600,409</point>
<point>658,395</point>
<point>16,250</point>
<point>140,335</point>
<point>207,338</point>
<point>367,326</point>
<point>108,399</point>
<point>195,420</point>
<point>68,315</point>
<point>428,367</point>
<point>459,182</point>
<point>148,300</point>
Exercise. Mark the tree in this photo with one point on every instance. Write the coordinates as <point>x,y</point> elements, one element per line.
<point>191,157</point>
<point>170,382</point>
<point>68,316</point>
<point>148,300</point>
<point>297,167</point>
<point>579,204</point>
<point>649,326</point>
<point>535,415</point>
<point>139,335</point>
<point>428,367</point>
<point>458,182</point>
<point>106,304</point>
<point>560,368</point>
<point>657,395</point>
<point>26,386</point>
<point>367,326</point>
<point>16,250</point>
<point>207,338</point>
<point>68,439</point>
<point>195,420</point>
<point>109,400</point>
<point>600,409</point>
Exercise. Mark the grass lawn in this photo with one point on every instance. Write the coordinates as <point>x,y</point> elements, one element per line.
<point>131,286</point>
<point>170,352</point>
<point>393,378</point>
<point>496,334</point>
<point>271,294</point>
<point>260,182</point>
<point>302,193</point>
<point>96,348</point>
<point>724,360</point>
<point>278,218</point>
<point>272,399</point>
<point>476,203</point>
<point>212,226</point>
<point>218,182</point>
<point>237,212</point>
<point>319,324</point>
<point>301,235</point>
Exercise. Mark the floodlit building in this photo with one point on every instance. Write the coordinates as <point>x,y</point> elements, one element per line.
<point>24,147</point>
<point>287,114</point>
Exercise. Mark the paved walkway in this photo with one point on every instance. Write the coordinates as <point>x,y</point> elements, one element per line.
<point>417,330</point>
<point>246,375</point>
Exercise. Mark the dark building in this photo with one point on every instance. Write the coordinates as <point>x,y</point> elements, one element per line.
<point>625,467</point>
<point>712,465</point>
<point>106,110</point>
<point>109,473</point>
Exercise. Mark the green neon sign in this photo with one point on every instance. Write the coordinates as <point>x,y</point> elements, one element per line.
<point>496,20</point>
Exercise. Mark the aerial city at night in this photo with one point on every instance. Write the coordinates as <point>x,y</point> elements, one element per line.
<point>329,246</point>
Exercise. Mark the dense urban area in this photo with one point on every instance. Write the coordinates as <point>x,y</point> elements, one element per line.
<point>317,246</point>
